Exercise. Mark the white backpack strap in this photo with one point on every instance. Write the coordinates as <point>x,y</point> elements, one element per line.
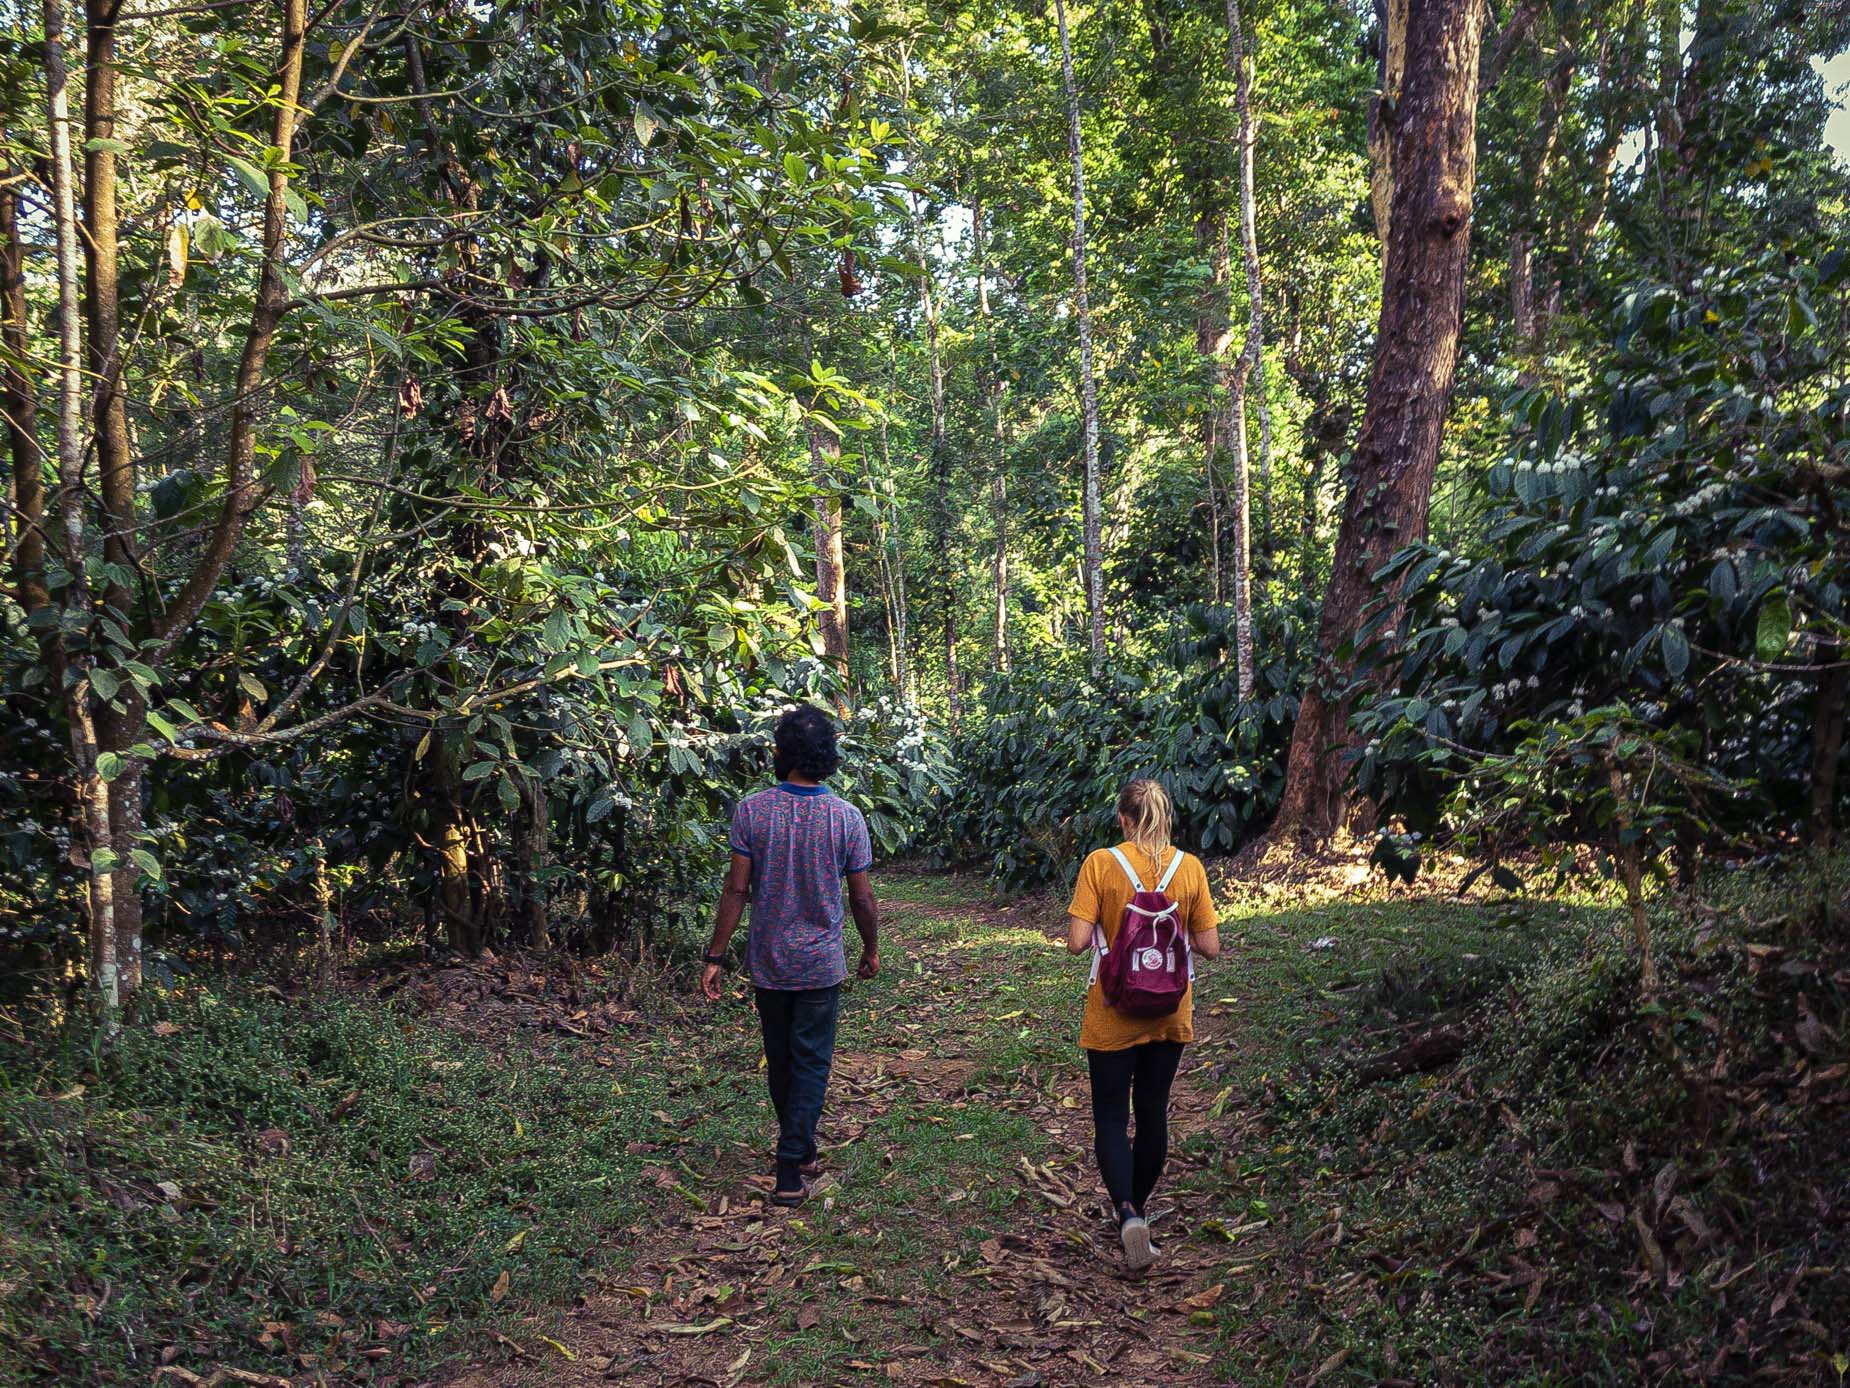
<point>1099,951</point>
<point>1129,871</point>
<point>1175,865</point>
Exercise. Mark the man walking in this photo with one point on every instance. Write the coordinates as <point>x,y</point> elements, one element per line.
<point>792,846</point>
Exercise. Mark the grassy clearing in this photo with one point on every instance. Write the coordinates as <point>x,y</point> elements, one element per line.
<point>288,1184</point>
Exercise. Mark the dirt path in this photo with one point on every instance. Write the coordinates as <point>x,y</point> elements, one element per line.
<point>961,1237</point>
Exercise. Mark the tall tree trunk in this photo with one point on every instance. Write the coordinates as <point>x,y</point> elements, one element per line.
<point>939,461</point>
<point>92,786</point>
<point>1092,565</point>
<point>1434,157</point>
<point>1240,69</point>
<point>901,608</point>
<point>1250,367</point>
<point>1213,332</point>
<point>1827,743</point>
<point>883,569</point>
<point>19,399</point>
<point>831,577</point>
<point>118,730</point>
<point>997,389</point>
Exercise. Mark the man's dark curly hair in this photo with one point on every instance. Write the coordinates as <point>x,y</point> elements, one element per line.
<point>804,741</point>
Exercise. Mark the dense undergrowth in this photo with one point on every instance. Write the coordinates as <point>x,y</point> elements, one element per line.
<point>1602,1189</point>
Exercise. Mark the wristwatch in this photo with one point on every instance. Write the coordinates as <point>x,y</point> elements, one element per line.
<point>718,960</point>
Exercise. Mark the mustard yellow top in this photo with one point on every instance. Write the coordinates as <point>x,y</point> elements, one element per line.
<point>1100,895</point>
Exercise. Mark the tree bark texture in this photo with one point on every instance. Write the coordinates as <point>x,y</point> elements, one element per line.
<point>1092,566</point>
<point>1433,135</point>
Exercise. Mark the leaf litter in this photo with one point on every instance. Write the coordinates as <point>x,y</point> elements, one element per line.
<point>936,1256</point>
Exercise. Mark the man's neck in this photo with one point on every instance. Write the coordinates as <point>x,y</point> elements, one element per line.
<point>797,778</point>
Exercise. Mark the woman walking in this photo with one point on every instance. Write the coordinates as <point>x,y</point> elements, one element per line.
<point>1134,1029</point>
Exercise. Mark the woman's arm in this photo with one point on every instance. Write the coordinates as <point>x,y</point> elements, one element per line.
<point>1079,934</point>
<point>1206,943</point>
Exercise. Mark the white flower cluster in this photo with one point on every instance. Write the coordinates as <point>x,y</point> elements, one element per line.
<point>1695,502</point>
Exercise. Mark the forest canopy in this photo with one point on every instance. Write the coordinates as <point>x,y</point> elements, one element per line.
<point>442,437</point>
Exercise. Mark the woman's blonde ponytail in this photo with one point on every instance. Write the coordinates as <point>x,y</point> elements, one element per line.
<point>1148,815</point>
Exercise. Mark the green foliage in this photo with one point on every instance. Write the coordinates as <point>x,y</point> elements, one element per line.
<point>1040,775</point>
<point>1667,542</point>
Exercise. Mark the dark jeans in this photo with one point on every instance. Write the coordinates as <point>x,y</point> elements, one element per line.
<point>799,1046</point>
<point>1136,1077</point>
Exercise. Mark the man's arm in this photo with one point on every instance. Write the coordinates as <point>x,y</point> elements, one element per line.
<point>732,899</point>
<point>866,920</point>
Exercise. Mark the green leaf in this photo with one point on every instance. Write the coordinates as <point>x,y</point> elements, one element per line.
<point>104,683</point>
<point>641,737</point>
<point>1774,628</point>
<point>252,686</point>
<point>479,770</point>
<point>147,862</point>
<point>108,765</point>
<point>104,860</point>
<point>1676,652</point>
<point>646,123</point>
<point>252,177</point>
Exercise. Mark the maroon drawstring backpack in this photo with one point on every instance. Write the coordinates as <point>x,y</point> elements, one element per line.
<point>1147,971</point>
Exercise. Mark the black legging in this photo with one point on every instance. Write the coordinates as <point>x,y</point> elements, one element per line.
<point>1138,1076</point>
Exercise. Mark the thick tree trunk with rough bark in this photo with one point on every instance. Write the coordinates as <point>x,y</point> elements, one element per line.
<point>1390,70</point>
<point>1434,156</point>
<point>1092,565</point>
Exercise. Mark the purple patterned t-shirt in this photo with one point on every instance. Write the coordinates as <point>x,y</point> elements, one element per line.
<point>802,840</point>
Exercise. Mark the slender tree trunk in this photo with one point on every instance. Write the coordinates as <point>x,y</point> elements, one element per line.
<point>19,398</point>
<point>530,862</point>
<point>103,307</point>
<point>997,389</point>
<point>831,576</point>
<point>1241,70</point>
<point>1213,332</point>
<point>92,788</point>
<point>1251,366</point>
<point>1631,874</point>
<point>324,915</point>
<point>1092,564</point>
<point>883,567</point>
<point>939,466</point>
<point>266,316</point>
<point>1827,743</point>
<point>901,607</point>
<point>1434,154</point>
<point>117,730</point>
